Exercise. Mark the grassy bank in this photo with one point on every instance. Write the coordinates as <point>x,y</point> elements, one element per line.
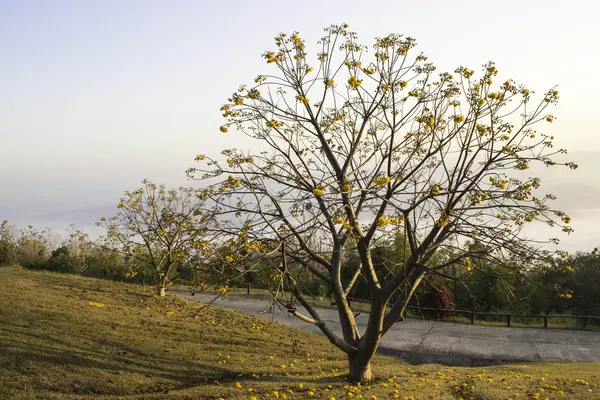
<point>67,337</point>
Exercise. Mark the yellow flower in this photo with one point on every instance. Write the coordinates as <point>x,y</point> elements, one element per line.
<point>354,82</point>
<point>549,118</point>
<point>222,290</point>
<point>274,124</point>
<point>398,220</point>
<point>319,191</point>
<point>223,128</point>
<point>383,221</point>
<point>468,264</point>
<point>228,259</point>
<point>383,180</point>
<point>481,102</point>
<point>443,221</point>
<point>302,99</point>
<point>431,122</point>
<point>403,84</point>
<point>329,82</point>
<point>95,304</point>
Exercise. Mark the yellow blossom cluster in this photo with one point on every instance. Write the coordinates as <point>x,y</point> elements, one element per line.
<point>274,124</point>
<point>382,181</point>
<point>354,82</point>
<point>271,57</point>
<point>319,190</point>
<point>302,99</point>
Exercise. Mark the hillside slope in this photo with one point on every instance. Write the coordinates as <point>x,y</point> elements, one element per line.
<point>67,337</point>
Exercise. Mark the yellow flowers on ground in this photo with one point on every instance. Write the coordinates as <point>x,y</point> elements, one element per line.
<point>95,304</point>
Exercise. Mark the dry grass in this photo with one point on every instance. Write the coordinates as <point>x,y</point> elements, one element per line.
<point>55,345</point>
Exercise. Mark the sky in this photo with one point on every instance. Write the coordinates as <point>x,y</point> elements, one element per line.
<point>96,96</point>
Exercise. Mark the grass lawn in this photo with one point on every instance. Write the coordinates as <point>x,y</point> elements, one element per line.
<point>67,337</point>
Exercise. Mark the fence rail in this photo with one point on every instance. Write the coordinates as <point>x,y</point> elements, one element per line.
<point>509,317</point>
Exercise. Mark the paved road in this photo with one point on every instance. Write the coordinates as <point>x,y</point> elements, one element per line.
<point>422,341</point>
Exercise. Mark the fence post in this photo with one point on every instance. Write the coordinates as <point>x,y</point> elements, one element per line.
<point>508,320</point>
<point>545,322</point>
<point>473,313</point>
<point>248,287</point>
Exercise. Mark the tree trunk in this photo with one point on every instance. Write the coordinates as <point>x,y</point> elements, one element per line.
<point>360,368</point>
<point>163,286</point>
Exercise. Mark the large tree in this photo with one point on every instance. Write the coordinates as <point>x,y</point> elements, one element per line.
<point>357,142</point>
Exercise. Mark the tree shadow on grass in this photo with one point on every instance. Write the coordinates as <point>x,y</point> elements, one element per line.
<point>174,374</point>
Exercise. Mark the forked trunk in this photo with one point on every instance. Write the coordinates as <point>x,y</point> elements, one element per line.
<point>360,369</point>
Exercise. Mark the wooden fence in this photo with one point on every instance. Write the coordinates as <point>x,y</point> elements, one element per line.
<point>439,313</point>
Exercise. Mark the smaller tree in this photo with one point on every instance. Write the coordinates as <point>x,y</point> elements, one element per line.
<point>8,244</point>
<point>161,227</point>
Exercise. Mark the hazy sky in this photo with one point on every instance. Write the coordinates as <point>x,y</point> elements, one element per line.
<point>97,95</point>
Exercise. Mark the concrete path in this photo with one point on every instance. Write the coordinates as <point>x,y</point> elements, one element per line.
<point>423,341</point>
